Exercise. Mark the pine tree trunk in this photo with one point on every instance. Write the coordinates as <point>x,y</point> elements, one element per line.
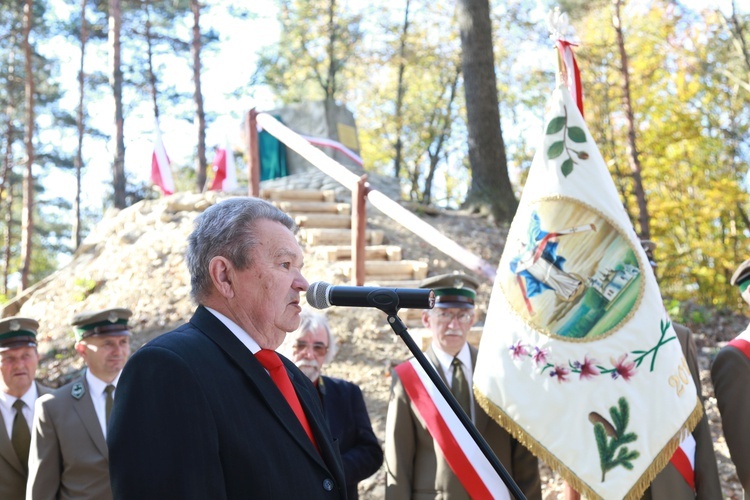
<point>398,114</point>
<point>632,147</point>
<point>200,116</point>
<point>118,168</point>
<point>81,128</point>
<point>490,184</point>
<point>27,220</point>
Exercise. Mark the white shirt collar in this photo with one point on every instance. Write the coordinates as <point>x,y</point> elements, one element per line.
<point>238,332</point>
<point>28,397</point>
<point>445,359</point>
<point>97,385</point>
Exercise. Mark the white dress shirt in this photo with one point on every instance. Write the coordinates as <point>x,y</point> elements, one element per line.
<point>9,413</point>
<point>99,397</point>
<point>238,332</point>
<point>446,365</point>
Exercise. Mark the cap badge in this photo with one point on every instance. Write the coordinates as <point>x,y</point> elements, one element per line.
<point>459,283</point>
<point>112,318</point>
<point>78,390</point>
<point>15,325</point>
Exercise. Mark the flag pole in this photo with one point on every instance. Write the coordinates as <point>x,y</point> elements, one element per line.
<point>400,329</point>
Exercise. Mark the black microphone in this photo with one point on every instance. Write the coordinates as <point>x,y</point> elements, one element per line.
<point>321,295</point>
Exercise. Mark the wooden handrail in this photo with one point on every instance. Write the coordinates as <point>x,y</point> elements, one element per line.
<point>379,200</point>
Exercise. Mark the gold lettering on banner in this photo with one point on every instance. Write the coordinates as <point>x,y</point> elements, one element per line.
<point>680,380</point>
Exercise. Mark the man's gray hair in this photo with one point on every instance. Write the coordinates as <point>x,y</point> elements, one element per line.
<point>309,321</point>
<point>227,229</point>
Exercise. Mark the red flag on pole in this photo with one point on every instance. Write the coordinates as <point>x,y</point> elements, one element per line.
<point>161,173</point>
<point>225,176</point>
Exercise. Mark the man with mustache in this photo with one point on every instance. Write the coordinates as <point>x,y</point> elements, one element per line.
<point>18,392</point>
<point>415,464</point>
<point>210,410</point>
<point>311,346</point>
<point>69,457</point>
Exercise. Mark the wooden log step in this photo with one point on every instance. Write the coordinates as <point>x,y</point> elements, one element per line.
<point>323,220</point>
<point>314,207</point>
<point>389,270</point>
<point>298,195</point>
<point>374,252</point>
<point>335,236</point>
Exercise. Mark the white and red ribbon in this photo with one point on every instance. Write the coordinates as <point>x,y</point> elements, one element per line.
<point>461,452</point>
<point>161,173</point>
<point>684,460</point>
<point>571,74</point>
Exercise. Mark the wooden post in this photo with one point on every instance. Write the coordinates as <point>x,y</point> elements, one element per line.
<point>359,227</point>
<point>253,154</point>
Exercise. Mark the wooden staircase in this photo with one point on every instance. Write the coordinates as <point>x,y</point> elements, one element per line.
<point>325,229</point>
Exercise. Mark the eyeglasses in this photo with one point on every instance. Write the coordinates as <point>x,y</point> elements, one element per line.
<point>318,348</point>
<point>446,317</point>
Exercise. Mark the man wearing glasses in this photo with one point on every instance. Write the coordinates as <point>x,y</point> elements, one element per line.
<point>311,346</point>
<point>415,463</point>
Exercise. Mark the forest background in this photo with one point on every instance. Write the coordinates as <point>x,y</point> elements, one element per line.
<point>666,93</point>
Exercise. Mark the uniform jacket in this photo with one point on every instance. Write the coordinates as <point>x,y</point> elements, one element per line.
<point>349,422</point>
<point>415,467</point>
<point>12,473</point>
<point>68,458</point>
<point>198,417</point>
<point>730,374</point>
<point>669,484</point>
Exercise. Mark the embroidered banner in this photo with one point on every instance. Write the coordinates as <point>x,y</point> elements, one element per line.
<point>578,358</point>
<point>464,457</point>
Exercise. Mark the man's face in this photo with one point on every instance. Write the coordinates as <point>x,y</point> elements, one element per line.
<point>449,327</point>
<point>265,299</point>
<point>18,367</point>
<point>309,352</point>
<point>105,355</point>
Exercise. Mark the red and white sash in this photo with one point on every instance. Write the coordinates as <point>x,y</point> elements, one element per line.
<point>462,454</point>
<point>742,342</point>
<point>684,460</point>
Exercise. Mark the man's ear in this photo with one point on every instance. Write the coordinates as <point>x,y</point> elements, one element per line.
<point>80,348</point>
<point>222,276</point>
<point>425,318</point>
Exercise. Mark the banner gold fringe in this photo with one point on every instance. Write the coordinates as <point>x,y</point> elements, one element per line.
<point>535,447</point>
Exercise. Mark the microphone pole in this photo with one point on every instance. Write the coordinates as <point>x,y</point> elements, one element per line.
<point>399,328</point>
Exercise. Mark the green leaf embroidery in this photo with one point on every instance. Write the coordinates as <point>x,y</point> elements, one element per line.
<point>611,436</point>
<point>555,150</point>
<point>556,125</point>
<point>577,134</point>
<point>567,167</point>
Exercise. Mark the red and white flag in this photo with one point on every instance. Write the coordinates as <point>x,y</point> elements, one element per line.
<point>225,174</point>
<point>161,173</point>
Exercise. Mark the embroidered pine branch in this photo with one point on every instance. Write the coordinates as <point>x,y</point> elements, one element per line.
<point>609,437</point>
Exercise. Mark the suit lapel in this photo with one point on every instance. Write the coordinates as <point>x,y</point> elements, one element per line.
<point>430,354</point>
<point>6,448</point>
<point>84,407</point>
<point>210,326</point>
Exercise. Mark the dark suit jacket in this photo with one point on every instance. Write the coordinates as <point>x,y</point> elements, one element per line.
<point>350,424</point>
<point>197,417</point>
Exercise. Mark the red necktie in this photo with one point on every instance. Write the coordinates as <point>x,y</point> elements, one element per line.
<point>271,362</point>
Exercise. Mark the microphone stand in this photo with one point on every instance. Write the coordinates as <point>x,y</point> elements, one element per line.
<point>400,329</point>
